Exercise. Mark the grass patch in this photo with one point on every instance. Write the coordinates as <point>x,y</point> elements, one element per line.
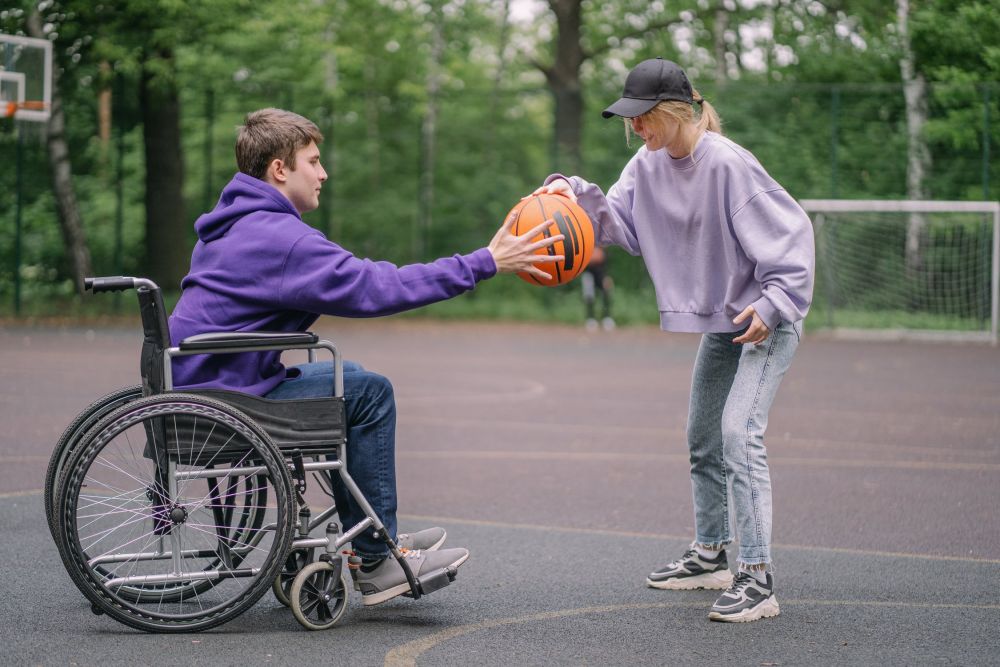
<point>820,318</point>
<point>505,298</point>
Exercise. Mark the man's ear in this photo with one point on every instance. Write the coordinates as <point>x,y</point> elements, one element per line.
<point>277,171</point>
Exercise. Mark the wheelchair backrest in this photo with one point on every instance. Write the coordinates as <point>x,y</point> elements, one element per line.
<point>155,339</point>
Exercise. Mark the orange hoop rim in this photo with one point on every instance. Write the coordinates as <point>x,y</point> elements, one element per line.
<point>11,108</point>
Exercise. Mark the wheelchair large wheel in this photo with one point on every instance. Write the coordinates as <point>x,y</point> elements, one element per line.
<point>142,538</point>
<point>71,437</point>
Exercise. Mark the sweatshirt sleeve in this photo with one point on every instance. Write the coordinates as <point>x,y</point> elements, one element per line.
<point>611,214</point>
<point>321,277</point>
<point>777,236</point>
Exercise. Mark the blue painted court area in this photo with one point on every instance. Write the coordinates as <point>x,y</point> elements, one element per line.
<point>557,457</point>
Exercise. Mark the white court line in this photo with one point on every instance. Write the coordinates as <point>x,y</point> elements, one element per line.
<point>21,494</point>
<point>620,457</point>
<point>667,433</point>
<point>406,654</point>
<point>687,538</point>
<point>25,458</point>
<point>532,391</point>
<point>652,536</point>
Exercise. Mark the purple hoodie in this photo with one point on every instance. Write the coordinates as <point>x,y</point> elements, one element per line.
<point>258,267</point>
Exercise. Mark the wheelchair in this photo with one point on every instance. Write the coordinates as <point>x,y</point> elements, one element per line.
<point>177,511</point>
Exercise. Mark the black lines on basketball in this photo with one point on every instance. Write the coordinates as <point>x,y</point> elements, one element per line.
<point>564,217</point>
<point>570,242</point>
<point>548,234</point>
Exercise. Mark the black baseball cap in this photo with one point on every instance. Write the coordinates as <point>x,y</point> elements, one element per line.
<point>649,83</point>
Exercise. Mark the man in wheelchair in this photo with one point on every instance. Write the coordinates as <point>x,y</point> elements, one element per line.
<point>258,267</point>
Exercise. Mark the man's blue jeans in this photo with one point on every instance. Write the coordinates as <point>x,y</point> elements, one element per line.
<point>732,390</point>
<point>371,442</point>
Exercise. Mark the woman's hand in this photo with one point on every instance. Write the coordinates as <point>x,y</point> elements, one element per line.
<point>560,187</point>
<point>758,331</point>
<point>513,254</point>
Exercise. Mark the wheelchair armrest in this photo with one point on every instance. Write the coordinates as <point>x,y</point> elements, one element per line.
<point>236,340</point>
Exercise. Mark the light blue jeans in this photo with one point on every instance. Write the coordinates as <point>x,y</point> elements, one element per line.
<point>732,390</point>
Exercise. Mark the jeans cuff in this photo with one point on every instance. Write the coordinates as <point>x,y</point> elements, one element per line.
<point>712,545</point>
<point>754,557</point>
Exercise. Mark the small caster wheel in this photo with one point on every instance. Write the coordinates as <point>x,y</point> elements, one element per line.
<point>318,598</point>
<point>294,562</point>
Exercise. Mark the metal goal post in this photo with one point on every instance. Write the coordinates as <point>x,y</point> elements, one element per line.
<point>818,207</point>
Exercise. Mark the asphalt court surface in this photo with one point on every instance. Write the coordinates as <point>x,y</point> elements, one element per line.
<point>557,457</point>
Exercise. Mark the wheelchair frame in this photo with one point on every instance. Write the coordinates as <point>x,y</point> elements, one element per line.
<point>314,587</point>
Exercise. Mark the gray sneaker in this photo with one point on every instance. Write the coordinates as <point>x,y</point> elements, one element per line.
<point>429,539</point>
<point>691,571</point>
<point>746,600</point>
<point>388,579</point>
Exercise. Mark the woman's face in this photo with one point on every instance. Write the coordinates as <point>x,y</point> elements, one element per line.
<point>656,136</point>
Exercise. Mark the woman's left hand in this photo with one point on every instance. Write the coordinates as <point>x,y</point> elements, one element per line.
<point>758,331</point>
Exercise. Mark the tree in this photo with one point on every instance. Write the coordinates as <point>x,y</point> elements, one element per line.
<point>70,220</point>
<point>918,156</point>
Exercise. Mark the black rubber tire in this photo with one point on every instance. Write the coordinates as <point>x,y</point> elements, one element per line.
<point>295,561</point>
<point>71,436</point>
<point>309,607</point>
<point>123,609</point>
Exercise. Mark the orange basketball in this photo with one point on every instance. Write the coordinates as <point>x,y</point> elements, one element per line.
<point>569,220</point>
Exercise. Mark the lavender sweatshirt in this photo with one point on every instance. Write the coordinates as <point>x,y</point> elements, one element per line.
<point>717,234</point>
<point>258,267</point>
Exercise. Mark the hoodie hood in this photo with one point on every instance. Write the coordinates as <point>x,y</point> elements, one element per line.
<point>242,196</point>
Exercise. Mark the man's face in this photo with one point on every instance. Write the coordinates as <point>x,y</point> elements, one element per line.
<point>302,184</point>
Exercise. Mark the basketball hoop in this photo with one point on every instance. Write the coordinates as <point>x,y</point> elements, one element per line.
<point>25,78</point>
<point>9,109</point>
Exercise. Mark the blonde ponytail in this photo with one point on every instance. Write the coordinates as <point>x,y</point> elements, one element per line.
<point>709,119</point>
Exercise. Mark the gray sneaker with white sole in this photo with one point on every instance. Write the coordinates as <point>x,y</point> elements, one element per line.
<point>746,600</point>
<point>388,580</point>
<point>692,571</point>
<point>429,539</point>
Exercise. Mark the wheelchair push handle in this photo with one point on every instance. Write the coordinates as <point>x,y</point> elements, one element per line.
<point>117,284</point>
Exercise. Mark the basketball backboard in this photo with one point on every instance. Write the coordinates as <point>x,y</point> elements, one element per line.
<point>25,78</point>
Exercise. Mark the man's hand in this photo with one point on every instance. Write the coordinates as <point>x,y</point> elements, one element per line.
<point>513,254</point>
<point>560,186</point>
<point>758,331</point>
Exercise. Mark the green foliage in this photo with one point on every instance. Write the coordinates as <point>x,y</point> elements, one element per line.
<point>828,122</point>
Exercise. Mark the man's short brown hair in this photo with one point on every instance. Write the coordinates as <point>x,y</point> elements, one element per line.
<point>270,133</point>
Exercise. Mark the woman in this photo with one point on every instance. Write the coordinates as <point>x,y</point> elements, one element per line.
<point>730,254</point>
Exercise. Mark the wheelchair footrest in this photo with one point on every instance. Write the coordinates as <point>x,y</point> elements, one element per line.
<point>436,579</point>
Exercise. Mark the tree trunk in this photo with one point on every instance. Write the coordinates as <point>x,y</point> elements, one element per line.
<point>167,248</point>
<point>719,27</point>
<point>70,221</point>
<point>428,132</point>
<point>918,158</point>
<point>372,124</point>
<point>331,221</point>
<point>564,81</point>
<point>497,104</point>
